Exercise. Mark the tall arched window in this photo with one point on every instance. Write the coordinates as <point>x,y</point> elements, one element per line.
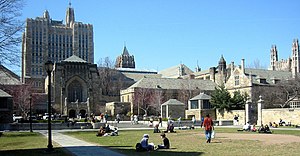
<point>75,92</point>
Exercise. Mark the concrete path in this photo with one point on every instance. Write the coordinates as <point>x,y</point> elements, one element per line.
<point>79,147</point>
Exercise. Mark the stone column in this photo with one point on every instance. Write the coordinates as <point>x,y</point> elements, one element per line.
<point>247,109</point>
<point>88,106</point>
<point>259,111</point>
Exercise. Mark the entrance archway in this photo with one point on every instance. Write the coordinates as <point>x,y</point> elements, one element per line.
<point>82,113</point>
<point>72,113</point>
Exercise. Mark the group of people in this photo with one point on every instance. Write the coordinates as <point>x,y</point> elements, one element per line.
<point>106,131</point>
<point>252,128</point>
<point>144,145</point>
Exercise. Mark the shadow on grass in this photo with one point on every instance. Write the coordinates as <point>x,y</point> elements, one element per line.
<point>36,152</point>
<point>160,152</point>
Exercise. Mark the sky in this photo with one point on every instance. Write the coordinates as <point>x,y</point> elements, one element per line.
<point>164,33</point>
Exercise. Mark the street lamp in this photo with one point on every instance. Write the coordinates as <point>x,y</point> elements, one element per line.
<point>49,68</point>
<point>30,115</point>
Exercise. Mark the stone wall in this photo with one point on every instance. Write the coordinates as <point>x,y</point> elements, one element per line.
<point>286,114</point>
<point>230,115</point>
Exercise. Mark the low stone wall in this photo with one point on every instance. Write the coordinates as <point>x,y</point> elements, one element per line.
<point>228,116</point>
<point>286,114</point>
<point>43,126</point>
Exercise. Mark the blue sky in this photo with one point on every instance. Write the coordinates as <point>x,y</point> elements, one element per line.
<point>165,33</point>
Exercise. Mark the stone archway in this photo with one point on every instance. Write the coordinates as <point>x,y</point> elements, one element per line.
<point>72,113</point>
<point>82,113</point>
<point>76,90</point>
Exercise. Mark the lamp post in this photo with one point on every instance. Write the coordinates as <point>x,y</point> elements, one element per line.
<point>30,115</point>
<point>49,68</point>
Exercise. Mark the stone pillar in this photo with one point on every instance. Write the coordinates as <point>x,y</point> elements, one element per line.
<point>88,106</point>
<point>259,111</point>
<point>247,109</point>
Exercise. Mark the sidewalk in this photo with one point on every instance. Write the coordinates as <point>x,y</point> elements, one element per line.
<point>79,147</point>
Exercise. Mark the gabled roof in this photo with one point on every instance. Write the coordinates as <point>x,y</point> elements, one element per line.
<point>7,77</point>
<point>175,71</point>
<point>172,102</point>
<point>201,96</point>
<point>4,94</point>
<point>269,75</point>
<point>171,83</point>
<point>74,58</point>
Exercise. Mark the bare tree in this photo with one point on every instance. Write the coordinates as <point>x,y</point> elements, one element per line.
<point>256,65</point>
<point>10,27</point>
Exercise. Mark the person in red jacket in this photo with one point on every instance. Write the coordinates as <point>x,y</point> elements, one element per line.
<point>208,126</point>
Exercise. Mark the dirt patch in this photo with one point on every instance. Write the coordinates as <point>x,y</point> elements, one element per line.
<point>265,138</point>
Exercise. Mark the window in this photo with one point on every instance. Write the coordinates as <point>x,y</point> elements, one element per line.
<point>194,104</point>
<point>236,80</point>
<point>206,104</point>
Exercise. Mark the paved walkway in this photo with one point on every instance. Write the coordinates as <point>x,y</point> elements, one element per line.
<point>79,147</point>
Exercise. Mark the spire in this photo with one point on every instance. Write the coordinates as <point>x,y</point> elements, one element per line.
<point>70,17</point>
<point>125,51</point>
<point>46,15</point>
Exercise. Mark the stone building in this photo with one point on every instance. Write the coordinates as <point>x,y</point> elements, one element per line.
<point>6,107</point>
<point>172,108</point>
<point>125,60</point>
<point>290,64</point>
<point>47,39</point>
<point>218,74</point>
<point>76,87</point>
<point>155,91</point>
<point>199,106</point>
<point>176,71</point>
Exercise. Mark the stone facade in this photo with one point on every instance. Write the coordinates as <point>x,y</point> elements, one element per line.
<point>290,64</point>
<point>114,108</point>
<point>76,87</point>
<point>286,114</point>
<point>125,60</point>
<point>47,39</point>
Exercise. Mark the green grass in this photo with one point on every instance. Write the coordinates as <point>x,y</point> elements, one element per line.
<point>27,144</point>
<point>192,143</point>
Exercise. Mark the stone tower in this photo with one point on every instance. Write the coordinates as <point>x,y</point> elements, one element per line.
<point>222,69</point>
<point>125,60</point>
<point>274,57</point>
<point>295,58</point>
<point>70,17</point>
<point>47,39</point>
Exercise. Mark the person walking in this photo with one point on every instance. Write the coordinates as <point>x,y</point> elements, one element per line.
<point>208,126</point>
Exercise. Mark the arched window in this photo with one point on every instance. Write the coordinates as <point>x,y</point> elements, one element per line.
<point>75,92</point>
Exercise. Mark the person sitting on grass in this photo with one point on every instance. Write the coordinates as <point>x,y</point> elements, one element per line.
<point>101,132</point>
<point>247,127</point>
<point>145,144</point>
<point>115,132</point>
<point>253,128</point>
<point>166,142</point>
<point>156,130</point>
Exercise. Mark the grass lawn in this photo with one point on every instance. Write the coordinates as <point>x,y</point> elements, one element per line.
<point>192,143</point>
<point>27,144</point>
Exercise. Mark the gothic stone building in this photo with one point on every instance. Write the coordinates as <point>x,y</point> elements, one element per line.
<point>125,60</point>
<point>47,39</point>
<point>290,64</point>
<point>76,88</point>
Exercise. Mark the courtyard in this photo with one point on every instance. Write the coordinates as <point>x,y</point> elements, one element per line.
<point>284,141</point>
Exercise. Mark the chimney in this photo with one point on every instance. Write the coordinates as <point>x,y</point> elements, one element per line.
<point>243,65</point>
<point>232,67</point>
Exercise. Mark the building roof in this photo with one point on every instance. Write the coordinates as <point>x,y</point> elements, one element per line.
<point>269,75</point>
<point>201,96</point>
<point>172,102</point>
<point>125,51</point>
<point>176,71</point>
<point>4,94</point>
<point>171,83</point>
<point>7,77</point>
<point>74,58</point>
